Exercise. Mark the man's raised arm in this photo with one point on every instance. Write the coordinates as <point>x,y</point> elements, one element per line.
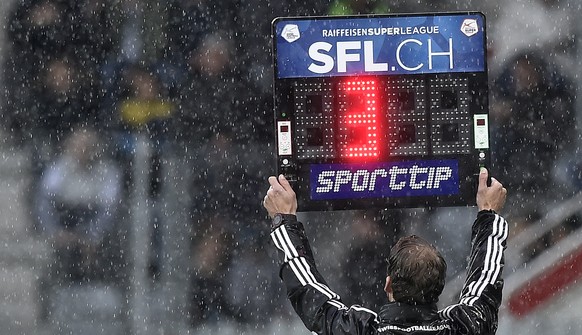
<point>320,309</point>
<point>478,307</point>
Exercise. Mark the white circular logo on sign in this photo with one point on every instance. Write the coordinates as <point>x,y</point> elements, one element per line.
<point>290,33</point>
<point>469,27</point>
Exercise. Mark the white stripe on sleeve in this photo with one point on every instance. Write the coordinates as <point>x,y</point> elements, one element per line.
<point>299,265</point>
<point>492,263</point>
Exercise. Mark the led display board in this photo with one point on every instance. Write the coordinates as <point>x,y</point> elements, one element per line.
<point>381,111</point>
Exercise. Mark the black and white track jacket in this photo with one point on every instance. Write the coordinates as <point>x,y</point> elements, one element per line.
<point>322,311</point>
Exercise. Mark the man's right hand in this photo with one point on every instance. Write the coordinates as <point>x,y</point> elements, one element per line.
<point>490,197</point>
<point>280,197</point>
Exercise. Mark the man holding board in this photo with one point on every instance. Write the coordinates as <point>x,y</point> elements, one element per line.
<point>415,275</point>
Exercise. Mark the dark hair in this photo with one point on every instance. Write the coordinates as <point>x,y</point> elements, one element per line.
<point>417,271</point>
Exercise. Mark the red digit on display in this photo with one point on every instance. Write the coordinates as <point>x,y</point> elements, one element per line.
<point>358,116</point>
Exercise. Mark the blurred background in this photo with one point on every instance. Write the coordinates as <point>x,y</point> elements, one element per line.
<point>136,141</point>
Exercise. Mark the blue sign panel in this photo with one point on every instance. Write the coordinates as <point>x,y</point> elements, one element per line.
<point>387,45</point>
<point>381,180</point>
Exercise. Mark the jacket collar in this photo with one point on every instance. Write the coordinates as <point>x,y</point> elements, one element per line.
<point>401,313</point>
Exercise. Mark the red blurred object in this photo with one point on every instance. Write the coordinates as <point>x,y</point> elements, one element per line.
<point>550,283</point>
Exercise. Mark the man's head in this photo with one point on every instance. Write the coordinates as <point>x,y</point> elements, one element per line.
<point>416,272</point>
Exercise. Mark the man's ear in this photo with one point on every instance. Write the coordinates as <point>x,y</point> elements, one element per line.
<point>388,289</point>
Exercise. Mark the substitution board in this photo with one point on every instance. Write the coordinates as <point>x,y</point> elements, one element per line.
<point>383,110</point>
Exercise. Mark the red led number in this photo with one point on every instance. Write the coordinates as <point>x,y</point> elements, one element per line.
<point>358,116</point>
